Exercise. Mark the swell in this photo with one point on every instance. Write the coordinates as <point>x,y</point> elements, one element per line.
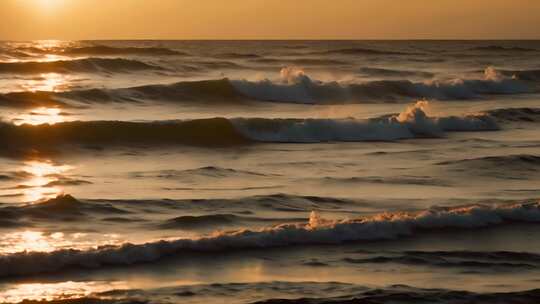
<point>86,65</point>
<point>213,132</point>
<point>409,295</point>
<point>386,226</point>
<point>508,161</point>
<point>498,48</point>
<point>284,292</point>
<point>412,123</point>
<point>360,51</point>
<point>296,86</point>
<point>293,87</point>
<point>205,91</point>
<point>213,221</point>
<point>105,50</point>
<point>487,260</point>
<point>516,114</point>
<point>109,50</point>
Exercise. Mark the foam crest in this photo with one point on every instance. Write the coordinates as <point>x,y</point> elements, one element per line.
<point>384,226</point>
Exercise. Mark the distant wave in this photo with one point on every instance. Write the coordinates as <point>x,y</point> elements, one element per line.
<point>412,123</point>
<point>498,48</point>
<point>86,65</point>
<point>237,56</point>
<point>385,226</point>
<point>109,50</point>
<point>361,51</point>
<point>209,171</point>
<point>92,50</point>
<point>301,61</point>
<point>294,86</point>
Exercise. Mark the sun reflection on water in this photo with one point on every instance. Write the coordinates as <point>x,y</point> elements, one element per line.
<point>49,82</point>
<point>41,176</point>
<point>39,241</point>
<point>56,291</point>
<point>40,116</point>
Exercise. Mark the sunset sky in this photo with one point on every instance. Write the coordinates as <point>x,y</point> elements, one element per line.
<point>269,19</point>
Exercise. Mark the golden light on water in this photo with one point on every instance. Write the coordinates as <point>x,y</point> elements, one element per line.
<point>40,116</point>
<point>55,291</point>
<point>48,82</point>
<point>41,176</point>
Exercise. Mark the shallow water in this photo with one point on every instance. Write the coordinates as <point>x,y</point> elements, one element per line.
<point>198,172</point>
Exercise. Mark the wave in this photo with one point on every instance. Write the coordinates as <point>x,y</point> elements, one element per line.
<point>212,221</point>
<point>360,51</point>
<point>205,91</point>
<point>498,48</point>
<point>410,295</point>
<point>516,114</point>
<point>412,123</point>
<point>296,86</point>
<point>63,207</point>
<point>515,161</point>
<point>31,100</point>
<point>450,259</point>
<point>202,132</point>
<point>526,75</point>
<point>380,72</point>
<point>86,65</point>
<point>301,61</point>
<point>109,50</point>
<point>385,226</point>
<point>237,56</point>
<point>280,292</point>
<point>209,171</point>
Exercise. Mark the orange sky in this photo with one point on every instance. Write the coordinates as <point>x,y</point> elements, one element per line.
<point>269,19</point>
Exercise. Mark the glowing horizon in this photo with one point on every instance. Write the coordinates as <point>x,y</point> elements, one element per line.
<point>268,19</point>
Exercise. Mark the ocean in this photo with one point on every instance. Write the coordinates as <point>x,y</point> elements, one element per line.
<point>270,172</point>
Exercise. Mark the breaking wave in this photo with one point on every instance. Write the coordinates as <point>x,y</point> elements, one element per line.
<point>296,86</point>
<point>386,226</point>
<point>412,123</point>
<point>86,65</point>
<point>293,86</point>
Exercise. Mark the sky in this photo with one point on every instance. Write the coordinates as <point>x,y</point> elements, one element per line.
<point>269,19</point>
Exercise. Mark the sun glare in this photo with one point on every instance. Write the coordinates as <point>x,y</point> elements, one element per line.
<point>48,4</point>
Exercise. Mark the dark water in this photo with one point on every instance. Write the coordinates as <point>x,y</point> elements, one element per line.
<point>271,172</point>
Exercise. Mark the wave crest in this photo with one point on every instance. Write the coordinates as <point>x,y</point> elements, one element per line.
<point>385,226</point>
<point>86,65</point>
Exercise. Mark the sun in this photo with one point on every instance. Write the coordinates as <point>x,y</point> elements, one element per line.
<point>48,4</point>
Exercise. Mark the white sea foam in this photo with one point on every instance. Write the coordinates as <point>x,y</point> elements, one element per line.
<point>411,123</point>
<point>384,226</point>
